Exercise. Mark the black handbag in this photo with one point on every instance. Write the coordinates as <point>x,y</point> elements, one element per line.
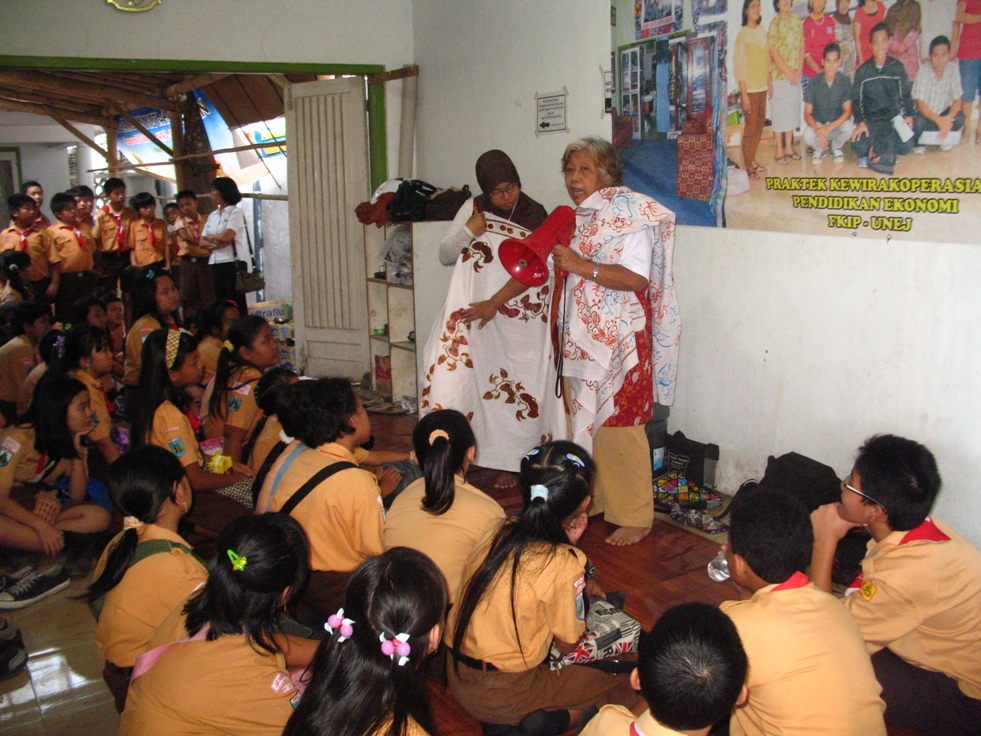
<point>410,200</point>
<point>246,280</point>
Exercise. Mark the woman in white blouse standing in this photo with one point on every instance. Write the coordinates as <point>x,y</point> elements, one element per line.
<point>224,234</point>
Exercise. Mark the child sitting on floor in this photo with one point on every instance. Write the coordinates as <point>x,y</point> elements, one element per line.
<point>691,669</point>
<point>366,679</point>
<point>442,515</point>
<point>809,671</point>
<point>148,569</point>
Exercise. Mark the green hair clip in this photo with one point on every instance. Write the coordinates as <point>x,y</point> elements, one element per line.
<point>238,561</point>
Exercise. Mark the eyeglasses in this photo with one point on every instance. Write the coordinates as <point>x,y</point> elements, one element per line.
<point>503,191</point>
<point>853,489</point>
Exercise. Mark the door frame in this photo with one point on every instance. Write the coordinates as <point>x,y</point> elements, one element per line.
<point>377,130</point>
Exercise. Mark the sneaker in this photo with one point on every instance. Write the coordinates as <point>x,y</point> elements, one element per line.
<point>34,587</point>
<point>919,150</point>
<point>863,162</point>
<point>946,146</point>
<point>818,155</point>
<point>12,660</point>
<point>9,635</point>
<point>838,156</point>
<point>883,168</point>
<point>13,578</point>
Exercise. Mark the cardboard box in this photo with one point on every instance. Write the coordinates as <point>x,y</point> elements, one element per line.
<point>283,332</point>
<point>272,310</point>
<point>383,375</point>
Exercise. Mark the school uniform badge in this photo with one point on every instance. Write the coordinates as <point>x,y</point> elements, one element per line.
<point>234,403</point>
<point>177,447</point>
<point>5,458</point>
<point>867,590</point>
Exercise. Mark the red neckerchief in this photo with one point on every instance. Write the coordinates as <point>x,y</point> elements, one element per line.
<point>153,238</point>
<point>79,238</point>
<point>41,463</point>
<point>23,236</point>
<point>39,221</point>
<point>195,422</point>
<point>797,580</point>
<point>634,731</point>
<point>119,224</point>
<point>195,227</point>
<point>925,532</point>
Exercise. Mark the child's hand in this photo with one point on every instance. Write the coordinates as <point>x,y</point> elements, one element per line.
<point>574,529</point>
<point>593,589</point>
<point>388,480</point>
<point>52,539</point>
<point>828,524</point>
<point>47,506</point>
<point>241,469</point>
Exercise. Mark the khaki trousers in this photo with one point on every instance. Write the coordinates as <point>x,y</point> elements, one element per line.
<point>622,490</point>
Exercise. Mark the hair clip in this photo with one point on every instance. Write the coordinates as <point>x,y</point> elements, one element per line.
<point>539,491</point>
<point>228,346</point>
<point>150,274</point>
<point>533,452</point>
<point>131,522</point>
<point>59,346</point>
<point>397,645</point>
<point>344,625</point>
<point>171,347</point>
<point>437,433</point>
<point>576,460</point>
<point>238,561</point>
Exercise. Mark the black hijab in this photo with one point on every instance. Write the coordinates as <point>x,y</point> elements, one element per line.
<point>493,169</point>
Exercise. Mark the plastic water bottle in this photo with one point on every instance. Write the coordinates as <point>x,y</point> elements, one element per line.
<point>718,568</point>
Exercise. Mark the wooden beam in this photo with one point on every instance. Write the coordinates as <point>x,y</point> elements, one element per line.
<point>66,107</point>
<point>410,70</point>
<point>279,80</point>
<point>177,136</point>
<point>142,128</point>
<point>206,154</point>
<point>104,90</point>
<point>17,106</point>
<point>76,132</point>
<point>201,80</point>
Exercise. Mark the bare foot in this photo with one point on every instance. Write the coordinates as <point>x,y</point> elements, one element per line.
<point>627,535</point>
<point>506,481</point>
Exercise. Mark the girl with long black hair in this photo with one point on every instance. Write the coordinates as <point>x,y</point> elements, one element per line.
<point>218,664</point>
<point>440,514</point>
<point>365,677</point>
<point>155,303</point>
<point>229,409</point>
<point>148,569</point>
<point>158,411</point>
<point>15,266</point>
<point>526,589</point>
<point>211,325</point>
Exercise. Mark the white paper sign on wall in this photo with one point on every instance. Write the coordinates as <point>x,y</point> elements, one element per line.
<point>551,113</point>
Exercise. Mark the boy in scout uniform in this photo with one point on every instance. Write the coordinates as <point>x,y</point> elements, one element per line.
<point>75,278</point>
<point>18,356</point>
<point>196,283</point>
<point>23,234</point>
<point>112,223</point>
<point>917,601</point>
<point>35,191</point>
<point>809,671</point>
<point>691,669</point>
<point>147,239</point>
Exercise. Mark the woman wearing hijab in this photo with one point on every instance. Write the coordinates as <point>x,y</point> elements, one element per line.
<point>903,20</point>
<point>489,355</point>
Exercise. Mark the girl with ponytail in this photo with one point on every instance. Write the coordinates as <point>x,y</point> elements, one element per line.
<point>442,515</point>
<point>525,590</point>
<point>229,407</point>
<point>15,265</point>
<point>365,677</point>
<point>148,569</point>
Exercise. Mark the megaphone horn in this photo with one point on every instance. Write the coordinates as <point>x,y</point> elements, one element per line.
<point>527,260</point>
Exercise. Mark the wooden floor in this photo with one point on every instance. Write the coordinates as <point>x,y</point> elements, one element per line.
<point>665,569</point>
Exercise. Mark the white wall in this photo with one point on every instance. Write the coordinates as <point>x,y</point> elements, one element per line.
<point>480,67</point>
<point>301,31</point>
<point>814,343</point>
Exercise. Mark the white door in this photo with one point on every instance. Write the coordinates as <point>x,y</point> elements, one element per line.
<point>328,178</point>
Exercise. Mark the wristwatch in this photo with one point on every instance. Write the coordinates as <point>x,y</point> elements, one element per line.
<point>595,271</point>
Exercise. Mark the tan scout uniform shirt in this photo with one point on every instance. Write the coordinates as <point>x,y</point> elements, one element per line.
<point>342,517</point>
<point>32,242</point>
<point>100,405</point>
<point>172,431</point>
<point>107,235</point>
<point>615,720</point>
<point>211,687</point>
<point>26,393</point>
<point>148,242</point>
<point>808,668</point>
<point>17,359</point>
<point>264,443</point>
<point>20,462</point>
<point>9,295</point>
<point>133,352</point>
<point>73,250</point>
<point>448,539</point>
<point>208,350</point>
<point>190,247</point>
<point>548,602</point>
<point>922,599</point>
<point>241,411</point>
<point>146,595</point>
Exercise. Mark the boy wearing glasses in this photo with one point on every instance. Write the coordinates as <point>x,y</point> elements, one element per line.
<point>918,599</point>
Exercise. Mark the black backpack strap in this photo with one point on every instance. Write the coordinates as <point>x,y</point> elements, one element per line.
<point>318,478</point>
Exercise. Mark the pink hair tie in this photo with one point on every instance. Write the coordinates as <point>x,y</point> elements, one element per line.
<point>397,645</point>
<point>344,625</point>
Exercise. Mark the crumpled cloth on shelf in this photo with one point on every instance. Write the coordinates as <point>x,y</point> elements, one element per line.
<point>374,212</point>
<point>397,253</point>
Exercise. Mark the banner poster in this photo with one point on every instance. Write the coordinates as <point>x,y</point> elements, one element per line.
<point>138,148</point>
<point>889,156</point>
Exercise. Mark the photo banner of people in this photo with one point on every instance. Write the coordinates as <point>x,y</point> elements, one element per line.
<point>827,117</point>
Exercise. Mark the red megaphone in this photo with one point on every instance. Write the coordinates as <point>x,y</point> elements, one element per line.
<point>527,260</point>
